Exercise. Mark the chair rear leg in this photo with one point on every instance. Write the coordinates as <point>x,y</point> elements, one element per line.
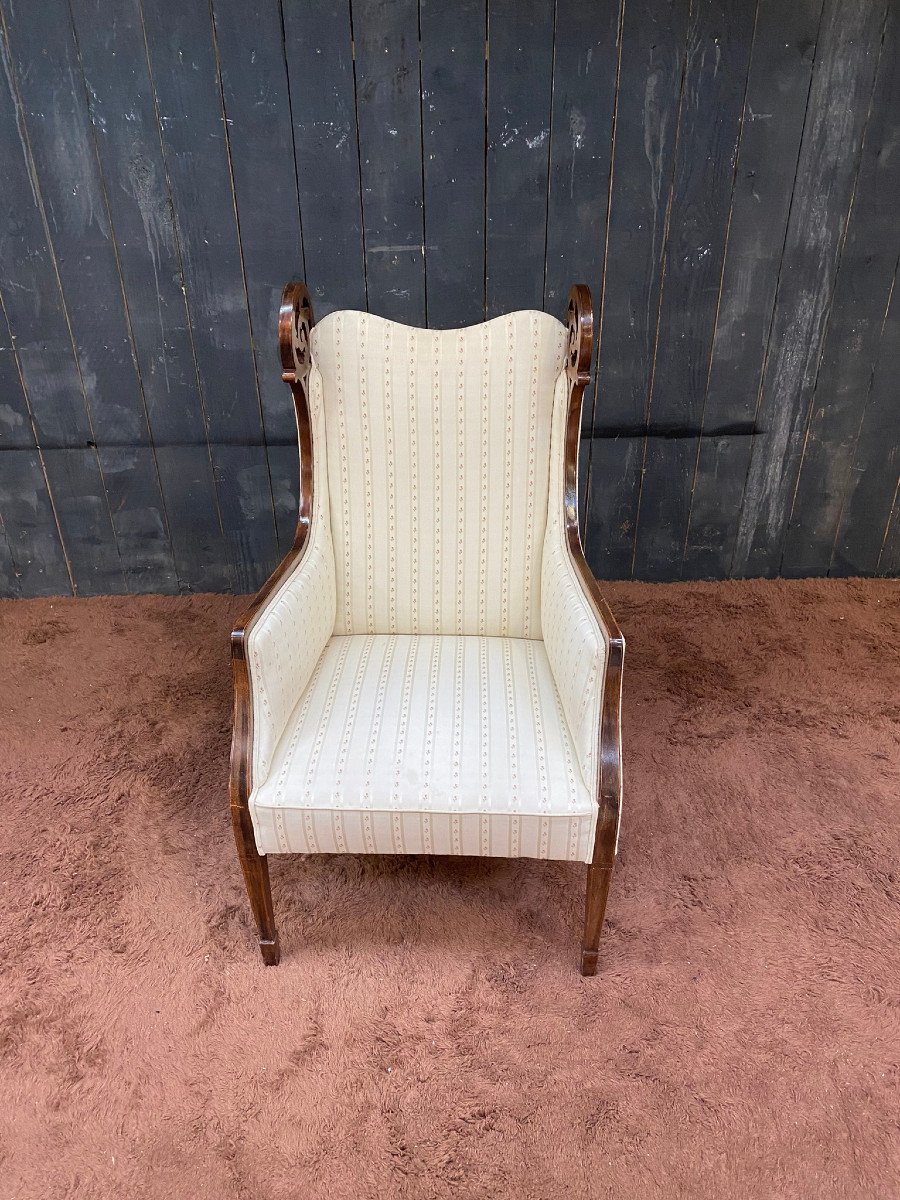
<point>598,881</point>
<point>256,876</point>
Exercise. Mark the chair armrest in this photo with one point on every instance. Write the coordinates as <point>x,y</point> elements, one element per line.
<point>584,645</point>
<point>279,640</point>
<point>586,651</point>
<point>274,650</point>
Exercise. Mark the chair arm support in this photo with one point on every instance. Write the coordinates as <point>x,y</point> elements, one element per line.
<point>586,652</point>
<point>276,645</point>
<point>584,645</point>
<point>607,730</point>
<point>274,651</point>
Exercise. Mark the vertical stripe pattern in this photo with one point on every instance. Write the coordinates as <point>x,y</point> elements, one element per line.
<point>284,644</point>
<point>439,488</point>
<point>428,745</point>
<point>576,649</point>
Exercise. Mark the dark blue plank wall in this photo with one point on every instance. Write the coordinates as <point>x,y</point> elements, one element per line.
<point>723,174</point>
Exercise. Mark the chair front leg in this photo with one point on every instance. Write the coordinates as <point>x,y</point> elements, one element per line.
<point>256,876</point>
<point>598,880</point>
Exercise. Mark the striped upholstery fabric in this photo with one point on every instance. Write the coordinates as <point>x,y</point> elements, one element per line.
<point>575,645</point>
<point>286,640</point>
<point>427,745</point>
<point>428,678</point>
<point>438,444</point>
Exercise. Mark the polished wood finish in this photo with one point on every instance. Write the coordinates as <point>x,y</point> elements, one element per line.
<point>580,321</point>
<point>295,320</point>
<point>294,325</point>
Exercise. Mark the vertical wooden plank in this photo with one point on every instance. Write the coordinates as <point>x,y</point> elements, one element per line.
<point>453,147</point>
<point>132,489</point>
<point>889,558</point>
<point>586,49</point>
<point>184,75</point>
<point>82,506</point>
<point>16,432</point>
<point>10,586</point>
<point>854,327</point>
<point>39,324</point>
<point>519,93</point>
<point>284,468</point>
<point>781,67</point>
<point>585,66</point>
<point>650,81</point>
<point>54,101</point>
<point>388,109</point>
<point>866,537</point>
<point>253,66</point>
<point>846,60</point>
<point>611,500</point>
<point>111,48</point>
<point>32,560</point>
<point>320,71</point>
<point>718,57</point>
<point>258,110</point>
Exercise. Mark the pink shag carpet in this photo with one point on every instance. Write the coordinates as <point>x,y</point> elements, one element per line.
<point>427,1034</point>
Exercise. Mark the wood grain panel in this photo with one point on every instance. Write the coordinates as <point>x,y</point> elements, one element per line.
<point>846,61</point>
<point>586,49</point>
<point>723,174</point>
<point>519,92</point>
<point>710,124</point>
<point>866,542</point>
<point>388,109</point>
<point>855,326</point>
<point>57,124</point>
<point>258,109</point>
<point>319,47</point>
<point>111,48</point>
<point>32,558</point>
<point>654,43</point>
<point>39,325</point>
<point>781,66</point>
<point>453,147</point>
<point>187,85</point>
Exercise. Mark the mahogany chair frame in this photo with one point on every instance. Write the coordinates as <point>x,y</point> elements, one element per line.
<point>295,321</point>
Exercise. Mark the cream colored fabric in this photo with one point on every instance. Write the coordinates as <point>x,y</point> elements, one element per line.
<point>576,648</point>
<point>433,745</point>
<point>438,475</point>
<point>438,447</point>
<point>287,638</point>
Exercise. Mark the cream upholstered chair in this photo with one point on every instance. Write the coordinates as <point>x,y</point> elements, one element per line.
<point>432,669</point>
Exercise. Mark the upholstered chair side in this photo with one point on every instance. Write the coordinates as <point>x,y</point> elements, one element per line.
<point>277,644</point>
<point>584,645</point>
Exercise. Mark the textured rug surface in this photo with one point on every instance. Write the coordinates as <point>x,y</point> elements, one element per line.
<point>427,1033</point>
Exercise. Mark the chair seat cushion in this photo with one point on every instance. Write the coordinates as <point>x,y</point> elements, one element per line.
<point>427,745</point>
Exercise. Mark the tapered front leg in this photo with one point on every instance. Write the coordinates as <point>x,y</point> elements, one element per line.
<point>598,881</point>
<point>256,876</point>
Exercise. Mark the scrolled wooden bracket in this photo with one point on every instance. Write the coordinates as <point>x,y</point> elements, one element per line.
<point>295,320</point>
<point>580,322</point>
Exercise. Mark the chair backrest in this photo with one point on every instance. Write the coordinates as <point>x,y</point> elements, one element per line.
<point>437,445</point>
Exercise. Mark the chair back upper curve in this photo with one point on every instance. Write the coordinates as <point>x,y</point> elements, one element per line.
<point>437,449</point>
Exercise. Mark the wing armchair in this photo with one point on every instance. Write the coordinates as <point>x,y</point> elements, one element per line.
<point>432,668</point>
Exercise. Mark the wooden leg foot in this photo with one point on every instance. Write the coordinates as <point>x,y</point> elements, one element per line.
<point>598,881</point>
<point>589,962</point>
<point>256,876</point>
<point>271,951</point>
